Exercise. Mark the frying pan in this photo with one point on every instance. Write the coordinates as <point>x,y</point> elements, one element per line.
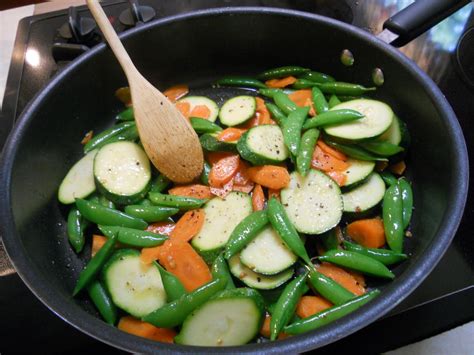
<point>197,48</point>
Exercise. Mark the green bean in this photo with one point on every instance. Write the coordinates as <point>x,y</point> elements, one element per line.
<point>205,173</point>
<point>358,262</point>
<point>334,101</point>
<point>202,125</point>
<point>332,238</point>
<point>173,287</point>
<point>104,137</point>
<point>334,117</point>
<point>320,103</point>
<point>268,92</point>
<point>328,288</point>
<point>160,183</point>
<point>282,72</point>
<point>341,88</point>
<point>276,113</point>
<point>392,211</point>
<point>220,270</point>
<point>150,213</point>
<point>317,77</point>
<point>305,152</point>
<point>388,178</point>
<point>354,151</point>
<point>291,128</point>
<point>126,115</point>
<point>284,103</point>
<point>104,201</point>
<point>241,81</point>
<point>75,229</point>
<point>330,315</point>
<point>134,237</point>
<point>385,256</point>
<point>103,302</point>
<point>407,200</point>
<point>384,149</point>
<point>181,202</point>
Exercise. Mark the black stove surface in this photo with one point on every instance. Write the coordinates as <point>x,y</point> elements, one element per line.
<point>441,302</point>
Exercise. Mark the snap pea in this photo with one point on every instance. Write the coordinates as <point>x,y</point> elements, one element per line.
<point>354,151</point>
<point>220,270</point>
<point>205,173</point>
<point>99,214</point>
<point>320,103</point>
<point>173,287</point>
<point>282,225</point>
<point>341,88</point>
<point>276,113</point>
<point>95,264</point>
<point>75,229</point>
<point>329,315</point>
<point>144,202</point>
<point>407,200</point>
<point>392,212</point>
<point>241,81</point>
<point>284,103</point>
<point>160,183</point>
<point>328,288</point>
<point>281,72</point>
<point>305,152</point>
<point>334,101</point>
<point>358,262</point>
<point>268,92</point>
<point>245,232</point>
<point>202,125</point>
<point>303,84</point>
<point>102,302</point>
<point>286,304</point>
<point>174,313</point>
<point>344,98</point>
<point>134,237</point>
<point>291,129</point>
<point>334,117</point>
<point>332,238</point>
<point>317,77</point>
<point>388,178</point>
<point>385,256</point>
<point>181,202</point>
<point>104,201</point>
<point>104,137</point>
<point>384,149</point>
<point>150,213</point>
<point>126,115</point>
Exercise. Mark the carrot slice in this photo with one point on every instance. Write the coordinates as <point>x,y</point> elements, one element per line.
<point>326,162</point>
<point>230,134</point>
<point>184,108</point>
<point>149,255</point>
<point>146,330</point>
<point>176,92</point>
<point>309,305</point>
<point>258,198</point>
<point>274,193</point>
<point>185,263</point>
<point>312,110</point>
<point>381,166</point>
<point>262,112</point>
<point>214,157</point>
<point>398,168</point>
<point>300,97</point>
<point>342,277</point>
<point>271,176</point>
<point>98,242</point>
<point>331,151</point>
<point>223,171</point>
<point>201,111</point>
<point>223,191</point>
<point>124,95</point>
<point>338,176</point>
<point>194,190</point>
<point>265,330</point>
<point>254,121</point>
<point>188,225</point>
<point>164,228</point>
<point>367,232</point>
<point>242,180</point>
<point>280,83</point>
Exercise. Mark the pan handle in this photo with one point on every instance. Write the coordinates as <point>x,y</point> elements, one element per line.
<point>420,17</point>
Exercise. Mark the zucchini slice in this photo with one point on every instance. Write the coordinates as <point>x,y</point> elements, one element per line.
<point>194,101</point>
<point>231,317</point>
<point>358,171</point>
<point>79,181</point>
<point>364,196</point>
<point>255,280</point>
<point>263,145</point>
<point>313,203</point>
<point>210,143</point>
<point>378,118</point>
<point>134,287</point>
<point>397,133</point>
<point>122,172</point>
<point>237,110</point>
<point>267,254</point>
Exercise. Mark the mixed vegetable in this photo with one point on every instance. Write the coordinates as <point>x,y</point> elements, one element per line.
<point>297,204</point>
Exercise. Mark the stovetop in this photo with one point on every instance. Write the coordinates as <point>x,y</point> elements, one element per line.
<point>45,44</point>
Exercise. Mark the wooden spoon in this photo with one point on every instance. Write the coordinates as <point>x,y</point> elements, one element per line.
<point>168,138</point>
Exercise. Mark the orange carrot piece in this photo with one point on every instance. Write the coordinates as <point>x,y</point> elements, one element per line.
<point>326,162</point>
<point>201,111</point>
<point>242,180</point>
<point>309,305</point>
<point>223,191</point>
<point>258,198</point>
<point>230,134</point>
<point>262,112</point>
<point>184,108</point>
<point>164,228</point>
<point>281,83</point>
<point>88,136</point>
<point>149,255</point>
<point>274,193</point>
<point>312,110</point>
<point>342,277</point>
<point>339,177</point>
<point>254,121</point>
<point>331,151</point>
<point>176,92</point>
<point>300,97</point>
<point>398,168</point>
<point>98,242</point>
<point>271,176</point>
<point>193,190</point>
<point>214,157</point>
<point>124,95</point>
<point>188,225</point>
<point>381,166</point>
<point>146,330</point>
<point>265,330</point>
<point>367,232</point>
<point>223,171</point>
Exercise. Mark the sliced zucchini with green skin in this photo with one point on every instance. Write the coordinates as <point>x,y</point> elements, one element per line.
<point>122,172</point>
<point>237,110</point>
<point>194,101</point>
<point>267,254</point>
<point>231,317</point>
<point>255,280</point>
<point>378,118</point>
<point>397,133</point>
<point>313,203</point>
<point>263,145</point>
<point>222,216</point>
<point>365,196</point>
<point>79,181</point>
<point>210,143</point>
<point>135,288</point>
<point>357,171</point>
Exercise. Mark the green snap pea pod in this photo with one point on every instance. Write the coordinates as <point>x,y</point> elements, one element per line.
<point>282,72</point>
<point>205,173</point>
<point>328,288</point>
<point>104,201</point>
<point>303,84</point>
<point>341,88</point>
<point>384,149</point>
<point>332,238</point>
<point>281,223</point>
<point>150,213</point>
<point>291,128</point>
<point>358,262</point>
<point>102,301</point>
<point>173,287</point>
<point>392,212</point>
<point>94,198</point>
<point>317,77</point>
<point>331,118</point>
<point>388,178</point>
<point>94,266</point>
<point>144,202</point>
<point>103,138</point>
<point>276,113</point>
<point>173,314</point>
<point>333,101</point>
<point>319,100</point>
<point>407,201</point>
<point>245,232</point>
<point>268,92</point>
<point>126,115</point>
<point>202,125</point>
<point>329,315</point>
<point>241,82</point>
<point>181,202</point>
<point>160,183</point>
<point>344,98</point>
<point>220,270</point>
<point>284,103</point>
<point>134,237</point>
<point>99,214</point>
<point>286,304</point>
<point>385,256</point>
<point>305,153</point>
<point>75,229</point>
<point>354,151</point>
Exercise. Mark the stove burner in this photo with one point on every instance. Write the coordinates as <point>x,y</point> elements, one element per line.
<point>136,14</point>
<point>465,56</point>
<point>77,29</point>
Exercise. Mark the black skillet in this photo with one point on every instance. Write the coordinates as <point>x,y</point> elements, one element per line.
<point>200,47</point>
